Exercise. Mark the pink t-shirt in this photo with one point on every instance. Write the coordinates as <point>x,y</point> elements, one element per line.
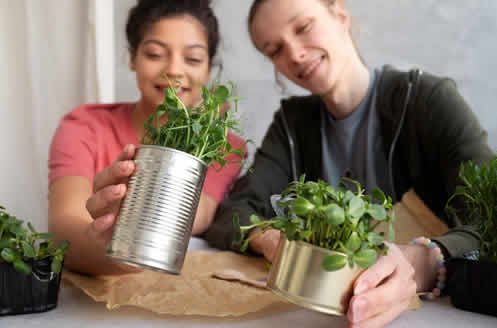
<point>90,138</point>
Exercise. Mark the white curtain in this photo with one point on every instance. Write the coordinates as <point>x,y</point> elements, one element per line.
<point>55,56</point>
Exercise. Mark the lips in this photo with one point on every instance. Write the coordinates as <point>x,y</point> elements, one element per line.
<point>309,68</point>
<point>179,90</point>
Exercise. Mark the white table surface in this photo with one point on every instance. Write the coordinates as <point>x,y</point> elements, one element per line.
<point>76,309</point>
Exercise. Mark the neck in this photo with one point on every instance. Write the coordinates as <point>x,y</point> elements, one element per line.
<point>349,91</point>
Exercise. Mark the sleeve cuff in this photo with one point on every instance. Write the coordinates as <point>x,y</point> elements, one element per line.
<point>458,243</point>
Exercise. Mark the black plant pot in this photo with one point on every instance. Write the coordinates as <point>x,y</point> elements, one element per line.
<point>472,285</point>
<point>33,293</point>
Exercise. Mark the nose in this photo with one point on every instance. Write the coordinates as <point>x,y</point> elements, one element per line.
<point>174,67</point>
<point>296,52</point>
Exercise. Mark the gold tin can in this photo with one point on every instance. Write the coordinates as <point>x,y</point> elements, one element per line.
<point>296,275</point>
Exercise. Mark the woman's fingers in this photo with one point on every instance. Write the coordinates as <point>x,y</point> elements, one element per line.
<point>381,320</point>
<point>118,171</point>
<point>100,230</point>
<point>106,200</point>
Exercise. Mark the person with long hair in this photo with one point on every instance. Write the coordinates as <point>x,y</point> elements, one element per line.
<point>91,155</point>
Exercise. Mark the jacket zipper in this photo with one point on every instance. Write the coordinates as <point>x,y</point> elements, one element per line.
<point>397,133</point>
<point>293,160</point>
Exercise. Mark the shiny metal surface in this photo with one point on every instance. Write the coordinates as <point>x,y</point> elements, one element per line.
<point>156,217</point>
<point>296,275</point>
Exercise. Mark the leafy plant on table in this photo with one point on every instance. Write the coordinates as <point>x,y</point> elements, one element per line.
<point>201,131</point>
<point>336,219</point>
<point>475,203</point>
<point>21,246</point>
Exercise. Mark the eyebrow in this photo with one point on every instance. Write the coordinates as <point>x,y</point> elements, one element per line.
<point>165,45</point>
<point>291,20</point>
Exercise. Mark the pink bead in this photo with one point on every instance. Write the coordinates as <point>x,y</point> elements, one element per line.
<point>436,292</point>
<point>442,271</point>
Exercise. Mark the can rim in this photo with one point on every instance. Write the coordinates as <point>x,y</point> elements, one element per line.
<point>162,148</point>
<point>302,244</point>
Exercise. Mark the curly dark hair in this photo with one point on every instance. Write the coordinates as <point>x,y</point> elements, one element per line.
<point>149,12</point>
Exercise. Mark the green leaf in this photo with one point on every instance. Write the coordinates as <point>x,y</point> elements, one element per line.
<point>64,245</point>
<point>28,250</point>
<point>317,200</point>
<point>354,242</point>
<point>365,257</point>
<point>391,232</point>
<point>8,255</point>
<point>30,226</point>
<point>291,231</point>
<point>305,235</point>
<point>21,266</point>
<point>378,212</point>
<point>278,225</point>
<point>378,195</point>
<point>7,242</point>
<point>334,262</point>
<point>335,215</point>
<point>301,206</point>
<point>244,245</point>
<point>374,239</point>
<point>239,152</point>
<point>236,225</point>
<point>196,127</point>
<point>254,219</point>
<point>349,195</point>
<point>17,230</point>
<point>46,236</point>
<point>56,265</point>
<point>222,93</point>
<point>356,207</point>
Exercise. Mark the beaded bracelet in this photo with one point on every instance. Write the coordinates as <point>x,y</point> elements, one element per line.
<point>442,271</point>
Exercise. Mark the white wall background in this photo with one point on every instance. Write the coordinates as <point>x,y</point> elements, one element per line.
<point>456,38</point>
<point>58,54</point>
<point>53,58</point>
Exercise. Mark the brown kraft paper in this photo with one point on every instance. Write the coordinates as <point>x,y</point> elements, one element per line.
<point>224,284</point>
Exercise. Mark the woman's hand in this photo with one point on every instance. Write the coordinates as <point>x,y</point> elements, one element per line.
<point>109,188</point>
<point>265,243</point>
<point>383,291</point>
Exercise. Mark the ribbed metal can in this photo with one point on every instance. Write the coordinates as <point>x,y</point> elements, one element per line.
<point>297,276</point>
<point>156,216</point>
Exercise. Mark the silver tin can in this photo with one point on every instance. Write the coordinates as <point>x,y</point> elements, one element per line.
<point>156,217</point>
<point>296,275</point>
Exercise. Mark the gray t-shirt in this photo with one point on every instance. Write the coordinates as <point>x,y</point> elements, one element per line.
<point>353,146</point>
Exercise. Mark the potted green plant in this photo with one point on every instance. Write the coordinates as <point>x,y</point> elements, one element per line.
<point>472,280</point>
<point>30,267</point>
<point>328,238</point>
<point>156,217</point>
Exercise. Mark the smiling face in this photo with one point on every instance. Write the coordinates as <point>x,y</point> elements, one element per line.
<point>309,42</point>
<point>177,47</point>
